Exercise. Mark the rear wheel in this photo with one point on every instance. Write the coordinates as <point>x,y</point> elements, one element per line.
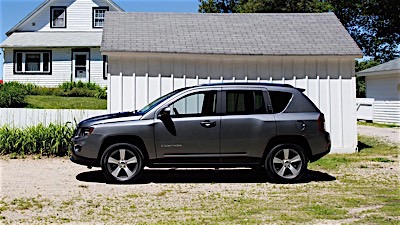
<point>122,162</point>
<point>286,163</point>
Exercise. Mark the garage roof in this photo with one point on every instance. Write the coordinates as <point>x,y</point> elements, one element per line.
<point>233,34</point>
<point>53,39</point>
<point>392,66</point>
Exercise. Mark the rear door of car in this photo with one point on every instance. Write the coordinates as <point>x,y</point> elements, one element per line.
<point>247,123</point>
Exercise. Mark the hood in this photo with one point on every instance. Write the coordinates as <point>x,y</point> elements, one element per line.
<point>108,118</point>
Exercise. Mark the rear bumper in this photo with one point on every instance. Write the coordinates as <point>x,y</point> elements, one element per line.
<point>327,141</point>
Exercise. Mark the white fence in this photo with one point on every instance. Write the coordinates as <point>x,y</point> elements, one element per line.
<point>387,112</point>
<point>378,111</point>
<point>365,108</point>
<point>30,117</point>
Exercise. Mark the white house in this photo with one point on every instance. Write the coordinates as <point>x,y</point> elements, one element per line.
<point>382,83</point>
<point>150,54</point>
<point>58,41</point>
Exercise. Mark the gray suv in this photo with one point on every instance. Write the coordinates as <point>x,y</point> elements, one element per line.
<point>272,127</point>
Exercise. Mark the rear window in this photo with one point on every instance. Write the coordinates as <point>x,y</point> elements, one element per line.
<point>243,102</point>
<point>279,100</point>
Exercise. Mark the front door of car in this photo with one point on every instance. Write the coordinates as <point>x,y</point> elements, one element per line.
<point>190,133</point>
<point>246,125</point>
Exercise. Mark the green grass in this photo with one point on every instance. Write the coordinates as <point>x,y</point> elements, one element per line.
<point>377,124</point>
<point>57,102</point>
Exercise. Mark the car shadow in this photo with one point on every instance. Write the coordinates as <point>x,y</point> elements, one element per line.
<point>202,176</point>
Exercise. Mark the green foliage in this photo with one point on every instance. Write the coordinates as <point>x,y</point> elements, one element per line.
<point>52,140</point>
<point>12,94</point>
<point>263,6</point>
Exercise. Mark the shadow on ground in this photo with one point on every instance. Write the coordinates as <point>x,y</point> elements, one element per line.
<point>202,176</point>
<point>361,146</point>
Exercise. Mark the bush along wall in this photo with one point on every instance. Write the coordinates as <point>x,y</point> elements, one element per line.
<point>51,140</point>
<point>12,94</point>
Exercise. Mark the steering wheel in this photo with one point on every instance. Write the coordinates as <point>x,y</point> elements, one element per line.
<point>176,111</point>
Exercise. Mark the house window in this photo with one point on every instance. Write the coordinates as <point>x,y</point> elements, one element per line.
<point>32,62</point>
<point>98,16</point>
<point>58,17</point>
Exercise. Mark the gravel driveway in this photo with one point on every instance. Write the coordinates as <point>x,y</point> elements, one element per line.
<point>388,134</point>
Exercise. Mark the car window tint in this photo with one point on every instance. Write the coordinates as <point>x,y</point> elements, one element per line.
<point>199,104</point>
<point>244,102</point>
<point>279,100</point>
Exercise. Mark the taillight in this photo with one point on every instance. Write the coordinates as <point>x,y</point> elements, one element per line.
<point>321,122</point>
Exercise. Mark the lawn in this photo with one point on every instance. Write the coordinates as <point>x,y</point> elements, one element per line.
<point>359,188</point>
<point>377,124</point>
<point>58,102</point>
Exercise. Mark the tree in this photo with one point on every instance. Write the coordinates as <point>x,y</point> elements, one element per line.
<point>373,24</point>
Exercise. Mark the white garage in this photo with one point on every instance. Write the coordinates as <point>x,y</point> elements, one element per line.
<point>150,54</point>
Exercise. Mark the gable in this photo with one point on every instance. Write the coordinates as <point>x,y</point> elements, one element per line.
<point>78,15</point>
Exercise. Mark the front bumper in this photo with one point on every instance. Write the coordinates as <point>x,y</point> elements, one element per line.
<point>82,160</point>
<point>85,150</point>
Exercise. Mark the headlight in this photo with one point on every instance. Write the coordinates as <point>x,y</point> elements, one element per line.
<point>85,131</point>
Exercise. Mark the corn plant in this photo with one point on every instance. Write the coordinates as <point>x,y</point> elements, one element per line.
<point>51,140</point>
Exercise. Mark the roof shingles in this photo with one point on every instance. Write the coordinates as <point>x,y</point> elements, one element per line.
<point>237,34</point>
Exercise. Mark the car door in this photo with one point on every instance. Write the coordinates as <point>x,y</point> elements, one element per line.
<point>191,133</point>
<point>246,125</point>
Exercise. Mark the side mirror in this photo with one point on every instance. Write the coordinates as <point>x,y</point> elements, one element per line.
<point>165,112</point>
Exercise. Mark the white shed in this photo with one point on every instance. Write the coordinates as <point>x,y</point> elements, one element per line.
<point>382,84</point>
<point>150,54</point>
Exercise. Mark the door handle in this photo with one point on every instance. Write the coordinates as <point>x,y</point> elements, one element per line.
<point>208,124</point>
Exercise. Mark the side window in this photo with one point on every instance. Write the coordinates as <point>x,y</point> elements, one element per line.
<point>279,100</point>
<point>198,104</point>
<point>245,102</point>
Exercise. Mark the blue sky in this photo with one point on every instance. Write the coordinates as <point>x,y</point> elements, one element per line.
<point>12,11</point>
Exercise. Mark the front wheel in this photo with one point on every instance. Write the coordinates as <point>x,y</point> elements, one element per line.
<point>122,162</point>
<point>286,163</point>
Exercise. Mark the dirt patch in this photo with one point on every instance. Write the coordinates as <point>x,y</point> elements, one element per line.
<point>389,134</point>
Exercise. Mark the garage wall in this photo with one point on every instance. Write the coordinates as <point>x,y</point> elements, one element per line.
<point>329,82</point>
<point>383,87</point>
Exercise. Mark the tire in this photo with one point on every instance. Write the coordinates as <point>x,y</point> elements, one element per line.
<point>286,163</point>
<point>122,163</point>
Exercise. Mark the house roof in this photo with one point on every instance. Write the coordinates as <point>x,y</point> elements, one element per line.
<point>53,39</point>
<point>41,6</point>
<point>392,66</point>
<point>234,34</point>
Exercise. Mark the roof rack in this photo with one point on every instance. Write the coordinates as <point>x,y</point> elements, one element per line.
<point>249,83</point>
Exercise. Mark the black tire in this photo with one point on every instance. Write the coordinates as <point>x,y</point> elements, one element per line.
<point>286,163</point>
<point>122,163</point>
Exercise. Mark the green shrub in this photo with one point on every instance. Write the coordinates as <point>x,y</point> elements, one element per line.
<point>12,94</point>
<point>52,140</point>
<point>83,89</point>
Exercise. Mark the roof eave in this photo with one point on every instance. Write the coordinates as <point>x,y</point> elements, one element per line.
<point>27,17</point>
<point>111,2</point>
<point>378,73</point>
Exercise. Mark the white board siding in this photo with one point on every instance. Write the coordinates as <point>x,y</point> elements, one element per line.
<point>387,112</point>
<point>383,87</point>
<point>96,67</point>
<point>330,83</point>
<point>79,16</point>
<point>23,118</point>
<point>61,68</point>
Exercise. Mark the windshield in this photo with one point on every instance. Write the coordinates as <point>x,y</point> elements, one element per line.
<point>156,102</point>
